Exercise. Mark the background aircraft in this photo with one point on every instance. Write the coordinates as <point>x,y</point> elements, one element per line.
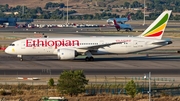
<point>127,27</point>
<point>67,48</point>
<point>119,20</point>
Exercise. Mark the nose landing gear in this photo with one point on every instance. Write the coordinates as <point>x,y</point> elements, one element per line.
<point>21,57</point>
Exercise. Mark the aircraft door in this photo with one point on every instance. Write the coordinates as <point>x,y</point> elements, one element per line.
<point>23,45</point>
<point>101,42</point>
<point>135,43</point>
<point>141,43</point>
<point>138,43</point>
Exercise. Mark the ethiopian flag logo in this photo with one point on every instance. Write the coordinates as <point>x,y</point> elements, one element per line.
<point>158,29</point>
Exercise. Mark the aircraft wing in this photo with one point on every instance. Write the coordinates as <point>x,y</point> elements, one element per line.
<point>95,47</point>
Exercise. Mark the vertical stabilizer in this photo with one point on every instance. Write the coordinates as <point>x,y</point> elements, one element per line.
<point>117,26</point>
<point>156,29</point>
<point>129,17</point>
<point>115,23</point>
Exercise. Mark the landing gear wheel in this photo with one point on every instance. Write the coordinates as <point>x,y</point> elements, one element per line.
<point>21,57</point>
<point>89,59</point>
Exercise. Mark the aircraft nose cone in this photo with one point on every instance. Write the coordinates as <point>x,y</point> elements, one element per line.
<point>7,50</point>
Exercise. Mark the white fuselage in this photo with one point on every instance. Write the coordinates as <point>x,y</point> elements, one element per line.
<point>50,46</point>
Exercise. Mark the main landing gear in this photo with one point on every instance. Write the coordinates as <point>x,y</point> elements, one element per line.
<point>118,29</point>
<point>89,56</point>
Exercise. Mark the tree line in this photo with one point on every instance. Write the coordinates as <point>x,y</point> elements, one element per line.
<point>56,12</point>
<point>74,82</point>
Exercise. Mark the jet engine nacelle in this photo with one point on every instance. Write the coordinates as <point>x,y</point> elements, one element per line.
<point>66,54</point>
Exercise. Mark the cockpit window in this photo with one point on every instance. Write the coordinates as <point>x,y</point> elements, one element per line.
<point>12,45</point>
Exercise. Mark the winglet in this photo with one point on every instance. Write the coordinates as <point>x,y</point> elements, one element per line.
<point>156,29</point>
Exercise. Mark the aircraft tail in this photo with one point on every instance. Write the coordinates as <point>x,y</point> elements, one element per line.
<point>116,25</point>
<point>129,16</point>
<point>156,29</point>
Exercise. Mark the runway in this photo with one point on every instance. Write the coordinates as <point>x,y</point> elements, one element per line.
<point>107,72</point>
<point>126,65</point>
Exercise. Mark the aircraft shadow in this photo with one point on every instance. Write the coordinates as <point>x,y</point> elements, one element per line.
<point>98,59</point>
<point>143,58</point>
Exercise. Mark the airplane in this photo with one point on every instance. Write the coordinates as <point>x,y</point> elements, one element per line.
<point>127,27</point>
<point>119,20</point>
<point>67,48</point>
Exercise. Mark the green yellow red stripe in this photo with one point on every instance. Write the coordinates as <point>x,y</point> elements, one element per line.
<point>158,28</point>
<point>155,34</point>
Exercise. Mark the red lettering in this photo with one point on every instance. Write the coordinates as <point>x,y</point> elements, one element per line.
<point>75,42</point>
<point>51,43</point>
<point>123,40</point>
<point>57,44</point>
<point>68,43</point>
<point>28,43</point>
<point>62,42</point>
<point>34,43</point>
<point>45,43</point>
<point>40,43</point>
